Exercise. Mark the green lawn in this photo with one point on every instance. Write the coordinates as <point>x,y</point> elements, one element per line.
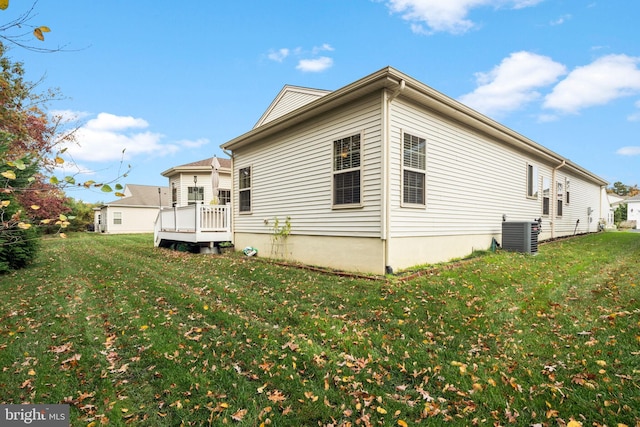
<point>129,334</point>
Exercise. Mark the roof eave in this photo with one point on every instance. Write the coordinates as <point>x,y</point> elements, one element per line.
<point>389,77</point>
<point>375,81</point>
<point>191,169</point>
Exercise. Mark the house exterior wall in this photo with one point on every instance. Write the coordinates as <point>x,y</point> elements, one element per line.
<point>471,182</point>
<point>292,176</point>
<point>134,219</point>
<point>472,179</point>
<point>289,102</point>
<point>356,254</point>
<point>182,181</point>
<point>633,211</point>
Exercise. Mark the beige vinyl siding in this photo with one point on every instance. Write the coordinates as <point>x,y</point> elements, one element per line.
<point>583,196</point>
<point>289,99</point>
<point>289,102</point>
<point>292,175</point>
<point>471,180</point>
<point>204,180</point>
<point>135,219</point>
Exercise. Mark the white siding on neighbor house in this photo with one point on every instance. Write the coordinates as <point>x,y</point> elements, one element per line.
<point>633,211</point>
<point>292,176</point>
<point>471,181</point>
<point>136,219</point>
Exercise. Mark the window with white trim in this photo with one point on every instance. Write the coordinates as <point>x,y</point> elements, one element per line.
<point>244,189</point>
<point>532,181</point>
<point>546,195</point>
<point>195,195</point>
<point>414,166</point>
<point>347,161</point>
<point>566,192</point>
<point>117,218</point>
<point>560,197</point>
<point>224,197</point>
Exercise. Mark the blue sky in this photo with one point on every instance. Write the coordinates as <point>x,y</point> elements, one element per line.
<point>172,81</point>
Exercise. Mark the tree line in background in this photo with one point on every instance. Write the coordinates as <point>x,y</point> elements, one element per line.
<point>32,197</point>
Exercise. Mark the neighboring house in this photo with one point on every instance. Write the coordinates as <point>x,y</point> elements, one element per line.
<point>609,206</point>
<point>191,183</point>
<point>135,212</point>
<point>387,173</point>
<point>633,209</point>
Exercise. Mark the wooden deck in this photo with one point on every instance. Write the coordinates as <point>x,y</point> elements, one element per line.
<point>204,225</point>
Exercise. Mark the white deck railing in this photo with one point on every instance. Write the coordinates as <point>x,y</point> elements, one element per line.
<point>195,218</point>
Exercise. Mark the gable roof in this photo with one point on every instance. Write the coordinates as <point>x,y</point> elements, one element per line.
<point>143,196</point>
<point>203,165</point>
<point>633,199</point>
<point>289,99</point>
<point>400,84</point>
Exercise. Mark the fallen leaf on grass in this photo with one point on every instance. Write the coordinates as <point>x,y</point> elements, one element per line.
<point>276,396</point>
<point>72,361</point>
<point>238,416</point>
<point>61,348</point>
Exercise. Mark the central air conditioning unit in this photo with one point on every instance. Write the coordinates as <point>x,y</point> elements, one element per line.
<point>520,236</point>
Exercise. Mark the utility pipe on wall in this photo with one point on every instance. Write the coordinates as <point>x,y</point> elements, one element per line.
<point>554,201</point>
<point>386,164</point>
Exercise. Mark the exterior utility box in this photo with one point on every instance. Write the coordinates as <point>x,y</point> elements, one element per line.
<point>520,236</point>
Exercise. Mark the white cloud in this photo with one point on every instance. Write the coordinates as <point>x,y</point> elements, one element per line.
<point>513,83</point>
<point>447,15</point>
<point>315,65</point>
<point>278,55</point>
<point>111,122</point>
<point>105,137</point>
<point>629,151</point>
<point>561,20</point>
<point>608,78</point>
<point>326,47</point>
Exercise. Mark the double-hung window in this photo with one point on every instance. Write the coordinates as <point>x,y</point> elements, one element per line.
<point>244,189</point>
<point>347,162</point>
<point>532,181</point>
<point>224,197</point>
<point>560,197</point>
<point>117,218</point>
<point>195,195</point>
<point>414,169</point>
<point>546,195</point>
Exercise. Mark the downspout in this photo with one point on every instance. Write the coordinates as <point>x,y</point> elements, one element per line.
<point>233,199</point>
<point>386,164</point>
<point>554,202</point>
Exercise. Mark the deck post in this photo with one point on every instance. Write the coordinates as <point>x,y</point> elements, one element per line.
<point>175,218</point>
<point>197,225</point>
